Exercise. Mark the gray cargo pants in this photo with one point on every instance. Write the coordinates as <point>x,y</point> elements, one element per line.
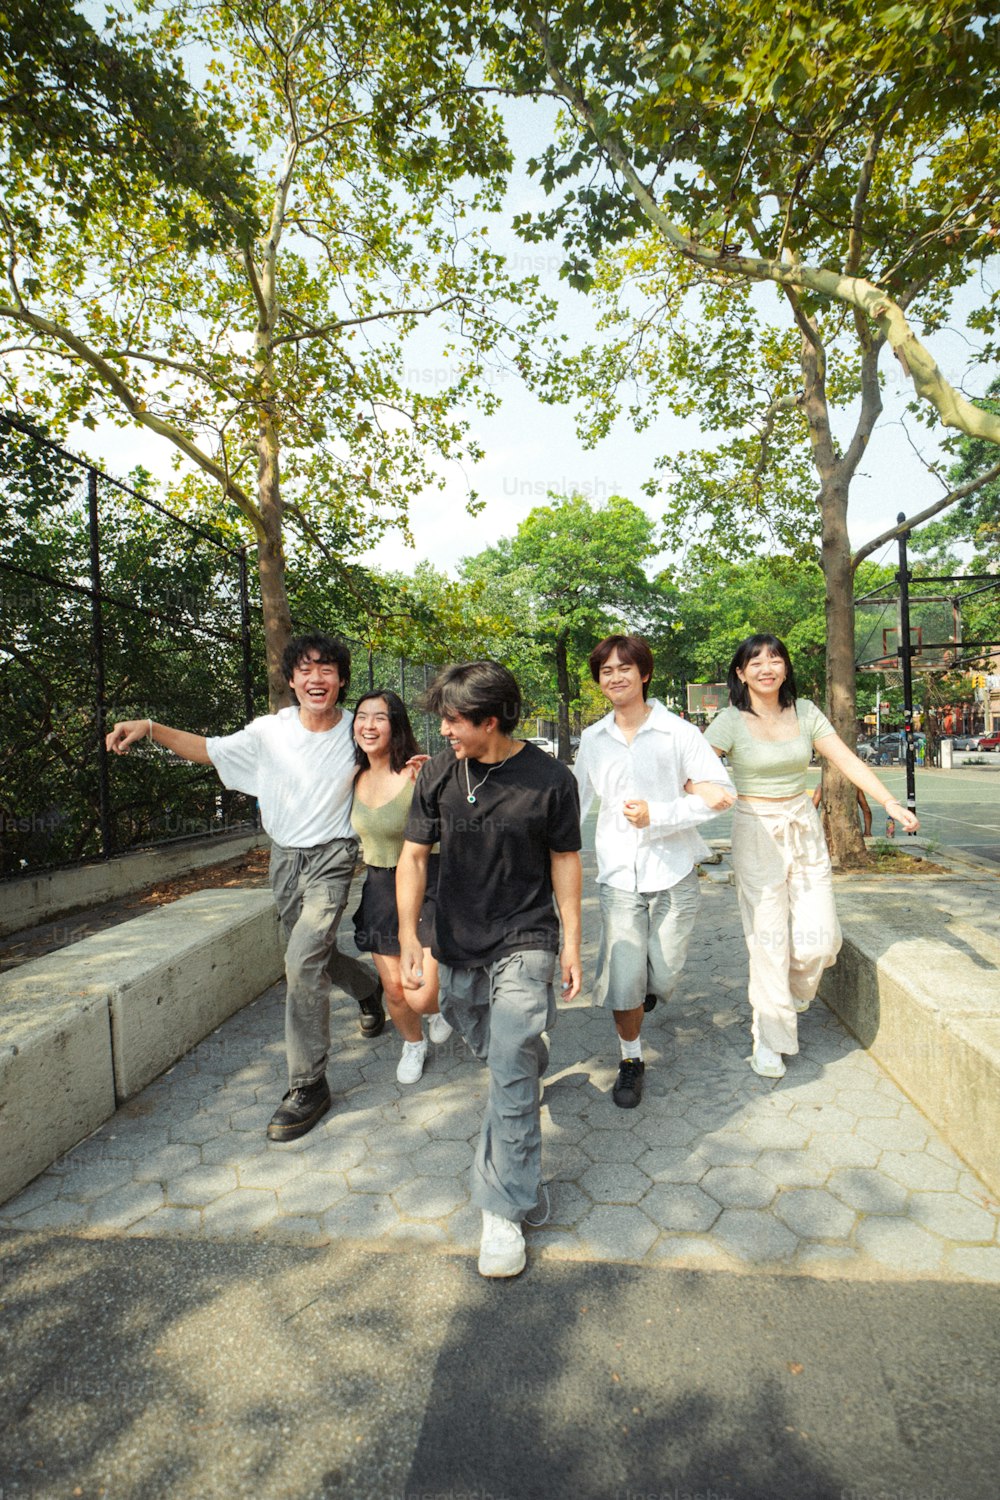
<point>310,888</point>
<point>501,1010</point>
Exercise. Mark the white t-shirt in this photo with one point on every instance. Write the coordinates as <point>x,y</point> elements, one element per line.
<point>303,781</point>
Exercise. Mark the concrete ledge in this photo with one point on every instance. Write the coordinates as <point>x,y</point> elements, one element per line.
<point>31,899</point>
<point>90,1025</point>
<point>920,989</point>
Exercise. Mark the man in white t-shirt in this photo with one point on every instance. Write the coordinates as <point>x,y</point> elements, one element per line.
<point>299,764</point>
<point>656,783</point>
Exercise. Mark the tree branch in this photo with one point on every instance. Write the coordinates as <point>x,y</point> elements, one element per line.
<point>952,497</point>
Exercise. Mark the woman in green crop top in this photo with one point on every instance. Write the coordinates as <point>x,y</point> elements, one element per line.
<point>780,859</point>
<point>384,746</point>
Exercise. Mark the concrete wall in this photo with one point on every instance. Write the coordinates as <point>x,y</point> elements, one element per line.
<point>85,1028</point>
<point>31,899</point>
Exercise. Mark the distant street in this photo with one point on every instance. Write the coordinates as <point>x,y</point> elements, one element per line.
<point>959,809</point>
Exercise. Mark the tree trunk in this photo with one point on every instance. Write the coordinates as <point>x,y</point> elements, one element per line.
<point>562,680</point>
<point>847,845</point>
<point>271,564</point>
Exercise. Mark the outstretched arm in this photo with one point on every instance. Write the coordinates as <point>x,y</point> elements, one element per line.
<point>832,747</point>
<point>129,732</point>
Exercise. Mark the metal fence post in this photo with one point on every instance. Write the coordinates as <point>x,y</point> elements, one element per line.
<point>97,643</point>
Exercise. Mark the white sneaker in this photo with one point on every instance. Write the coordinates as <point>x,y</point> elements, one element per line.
<point>767,1063</point>
<point>411,1064</point>
<point>501,1250</point>
<point>438,1029</point>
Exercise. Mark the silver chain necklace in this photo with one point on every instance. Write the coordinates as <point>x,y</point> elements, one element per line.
<point>470,791</point>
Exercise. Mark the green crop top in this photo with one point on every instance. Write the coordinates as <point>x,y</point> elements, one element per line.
<point>380,829</point>
<point>768,768</point>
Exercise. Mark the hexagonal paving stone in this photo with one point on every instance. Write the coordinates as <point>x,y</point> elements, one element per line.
<point>169,1161</point>
<point>120,1209</point>
<point>727,1148</point>
<point>85,1181</point>
<point>868,1104</point>
<point>667,1131</point>
<point>271,1169</point>
<point>918,1171</point>
<point>792,1168</point>
<point>461,1126</point>
<point>59,1213</point>
<point>753,1235</point>
<point>312,1193</point>
<point>894,1135</point>
<point>567,1205</point>
<point>202,1185</point>
<point>442,1158</point>
<point>867,1191</point>
<point>185,1223</point>
<point>612,1146</point>
<point>360,1216</point>
<point>845,1151</point>
<point>616,1233</point>
<point>614,1182</point>
<point>430,1197</point>
<point>952,1216</point>
<point>981,1262</point>
<point>738,1187</point>
<point>822,1117</point>
<point>381,1174</point>
<point>240,1213</point>
<point>673,1164</point>
<point>680,1207</point>
<point>689,1250</point>
<point>781,1134</point>
<point>899,1244</point>
<point>815,1214</point>
<point>297,1229</point>
<point>36,1195</point>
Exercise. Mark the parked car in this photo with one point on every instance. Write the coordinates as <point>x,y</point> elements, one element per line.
<point>989,741</point>
<point>549,746</point>
<point>888,747</point>
<point>965,741</point>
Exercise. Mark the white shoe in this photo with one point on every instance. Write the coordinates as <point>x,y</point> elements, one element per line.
<point>438,1029</point>
<point>501,1250</point>
<point>767,1063</point>
<point>411,1064</point>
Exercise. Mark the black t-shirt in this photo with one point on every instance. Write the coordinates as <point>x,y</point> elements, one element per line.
<point>494,893</point>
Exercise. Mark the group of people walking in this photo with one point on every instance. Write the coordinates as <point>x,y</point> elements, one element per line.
<point>472,895</point>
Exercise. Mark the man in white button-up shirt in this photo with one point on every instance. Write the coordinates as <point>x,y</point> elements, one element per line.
<point>657,778</point>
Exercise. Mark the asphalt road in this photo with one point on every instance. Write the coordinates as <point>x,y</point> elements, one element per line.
<point>164,1370</point>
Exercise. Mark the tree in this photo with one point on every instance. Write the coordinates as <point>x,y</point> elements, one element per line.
<point>848,159</point>
<point>578,569</point>
<point>275,367</point>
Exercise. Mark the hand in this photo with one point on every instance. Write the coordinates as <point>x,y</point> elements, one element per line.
<point>414,763</point>
<point>411,963</point>
<point>572,973</point>
<point>126,734</point>
<point>907,819</point>
<point>715,796</point>
<point>637,813</point>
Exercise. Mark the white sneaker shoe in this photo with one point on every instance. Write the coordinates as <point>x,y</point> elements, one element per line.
<point>411,1064</point>
<point>438,1029</point>
<point>501,1250</point>
<point>767,1063</point>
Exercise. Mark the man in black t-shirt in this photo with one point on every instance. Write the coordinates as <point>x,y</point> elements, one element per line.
<point>507,817</point>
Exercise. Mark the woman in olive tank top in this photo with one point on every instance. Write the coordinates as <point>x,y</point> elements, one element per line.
<point>383,745</point>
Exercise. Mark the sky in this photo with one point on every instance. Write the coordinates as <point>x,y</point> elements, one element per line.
<point>532,448</point>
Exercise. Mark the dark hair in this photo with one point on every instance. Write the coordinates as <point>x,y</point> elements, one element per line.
<point>630,648</point>
<point>328,648</point>
<point>402,741</point>
<point>739,694</point>
<point>476,690</point>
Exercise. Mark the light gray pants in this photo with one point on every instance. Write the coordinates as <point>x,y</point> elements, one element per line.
<point>501,1010</point>
<point>645,936</point>
<point>310,888</point>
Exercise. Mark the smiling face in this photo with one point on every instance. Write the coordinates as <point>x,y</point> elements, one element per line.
<point>764,672</point>
<point>373,727</point>
<point>620,681</point>
<point>469,741</point>
<point>316,684</point>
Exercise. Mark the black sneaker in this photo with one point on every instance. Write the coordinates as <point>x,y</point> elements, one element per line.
<point>372,1013</point>
<point>299,1111</point>
<point>628,1085</point>
<point>650,1002</point>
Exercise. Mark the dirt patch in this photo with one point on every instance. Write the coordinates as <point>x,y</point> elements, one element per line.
<point>248,870</point>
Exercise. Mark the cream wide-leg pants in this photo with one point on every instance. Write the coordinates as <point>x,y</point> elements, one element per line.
<point>785,891</point>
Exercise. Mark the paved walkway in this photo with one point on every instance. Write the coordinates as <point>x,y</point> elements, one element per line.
<point>830,1171</point>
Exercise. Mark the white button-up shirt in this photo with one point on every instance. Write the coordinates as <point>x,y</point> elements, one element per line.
<point>665,752</point>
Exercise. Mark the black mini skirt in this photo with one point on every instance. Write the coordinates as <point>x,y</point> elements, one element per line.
<point>376,922</point>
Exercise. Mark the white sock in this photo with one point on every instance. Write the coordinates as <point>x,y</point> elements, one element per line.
<point>631,1049</point>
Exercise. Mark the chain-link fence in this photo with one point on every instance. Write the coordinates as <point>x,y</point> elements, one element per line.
<point>112,607</point>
